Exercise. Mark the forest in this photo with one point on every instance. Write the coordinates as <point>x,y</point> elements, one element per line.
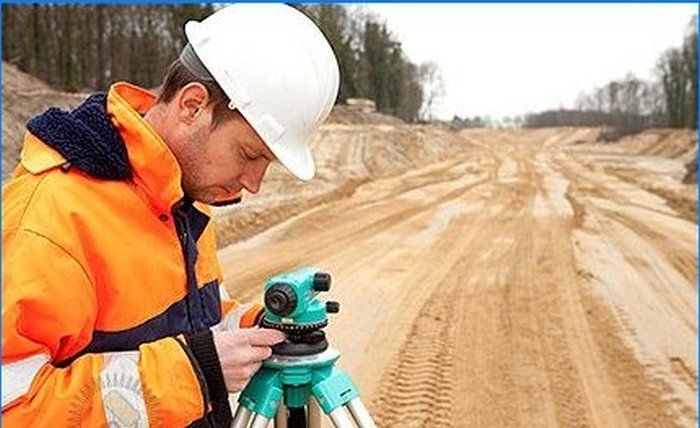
<point>77,47</point>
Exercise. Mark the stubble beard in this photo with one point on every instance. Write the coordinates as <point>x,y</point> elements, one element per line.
<point>193,168</point>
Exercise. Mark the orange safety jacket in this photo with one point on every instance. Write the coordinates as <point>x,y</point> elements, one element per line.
<point>110,278</point>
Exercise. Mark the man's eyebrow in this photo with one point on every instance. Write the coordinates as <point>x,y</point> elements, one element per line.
<point>265,154</point>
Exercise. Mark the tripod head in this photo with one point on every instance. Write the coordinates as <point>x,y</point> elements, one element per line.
<point>292,306</point>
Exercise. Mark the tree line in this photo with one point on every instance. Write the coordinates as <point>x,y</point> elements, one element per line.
<point>631,104</point>
<point>373,64</point>
<point>79,47</point>
<point>87,47</point>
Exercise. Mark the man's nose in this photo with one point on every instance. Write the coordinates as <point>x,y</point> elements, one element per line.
<point>253,176</point>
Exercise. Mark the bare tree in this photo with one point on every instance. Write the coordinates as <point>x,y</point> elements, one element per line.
<point>433,88</point>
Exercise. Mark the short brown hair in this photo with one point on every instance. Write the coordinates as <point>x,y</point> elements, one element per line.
<point>178,76</point>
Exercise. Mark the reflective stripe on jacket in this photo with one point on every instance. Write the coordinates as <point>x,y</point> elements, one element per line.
<point>99,277</point>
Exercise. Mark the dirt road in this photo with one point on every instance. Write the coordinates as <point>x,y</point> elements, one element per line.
<point>520,284</point>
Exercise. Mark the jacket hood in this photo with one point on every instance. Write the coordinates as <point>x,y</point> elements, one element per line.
<point>86,138</point>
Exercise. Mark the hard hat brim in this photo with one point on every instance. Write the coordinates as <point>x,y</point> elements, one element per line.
<point>294,156</point>
<point>303,170</point>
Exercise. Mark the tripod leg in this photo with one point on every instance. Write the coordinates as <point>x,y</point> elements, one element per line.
<point>360,414</point>
<point>314,414</point>
<point>241,418</point>
<point>340,418</point>
<point>297,417</point>
<point>281,416</point>
<point>259,421</point>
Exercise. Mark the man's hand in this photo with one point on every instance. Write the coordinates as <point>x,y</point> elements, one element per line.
<point>242,351</point>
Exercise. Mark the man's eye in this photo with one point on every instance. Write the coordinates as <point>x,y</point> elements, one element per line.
<point>246,156</point>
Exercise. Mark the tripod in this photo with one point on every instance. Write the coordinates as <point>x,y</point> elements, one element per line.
<point>282,389</point>
<point>303,365</point>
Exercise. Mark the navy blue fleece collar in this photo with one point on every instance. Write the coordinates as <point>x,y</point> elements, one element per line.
<point>86,138</point>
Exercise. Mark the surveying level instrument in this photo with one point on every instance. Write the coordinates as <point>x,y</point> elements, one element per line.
<point>301,367</point>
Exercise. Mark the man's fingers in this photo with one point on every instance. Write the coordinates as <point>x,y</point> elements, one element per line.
<point>259,353</point>
<point>263,336</point>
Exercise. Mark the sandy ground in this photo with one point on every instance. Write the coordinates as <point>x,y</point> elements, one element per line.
<point>528,280</point>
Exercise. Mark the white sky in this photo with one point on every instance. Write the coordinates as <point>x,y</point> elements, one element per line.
<point>511,59</point>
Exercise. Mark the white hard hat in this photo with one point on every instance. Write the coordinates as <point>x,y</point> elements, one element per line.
<point>277,69</point>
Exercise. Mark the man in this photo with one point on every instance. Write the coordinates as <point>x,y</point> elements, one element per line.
<point>111,308</point>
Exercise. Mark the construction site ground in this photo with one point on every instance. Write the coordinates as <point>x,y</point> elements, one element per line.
<point>533,278</point>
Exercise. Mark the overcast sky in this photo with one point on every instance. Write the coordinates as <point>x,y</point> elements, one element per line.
<point>511,59</point>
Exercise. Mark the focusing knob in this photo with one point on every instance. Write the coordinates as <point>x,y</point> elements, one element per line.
<point>281,299</point>
<point>322,281</point>
<point>332,307</point>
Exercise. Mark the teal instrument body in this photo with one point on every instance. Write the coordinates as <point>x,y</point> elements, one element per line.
<point>308,310</point>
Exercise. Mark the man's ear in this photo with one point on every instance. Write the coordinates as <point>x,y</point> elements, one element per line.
<point>191,100</point>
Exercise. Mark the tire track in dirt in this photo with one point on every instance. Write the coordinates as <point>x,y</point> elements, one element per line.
<point>545,273</point>
<point>547,381</point>
<point>595,182</point>
<point>642,399</point>
<point>417,390</point>
<point>683,257</point>
<point>683,260</point>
